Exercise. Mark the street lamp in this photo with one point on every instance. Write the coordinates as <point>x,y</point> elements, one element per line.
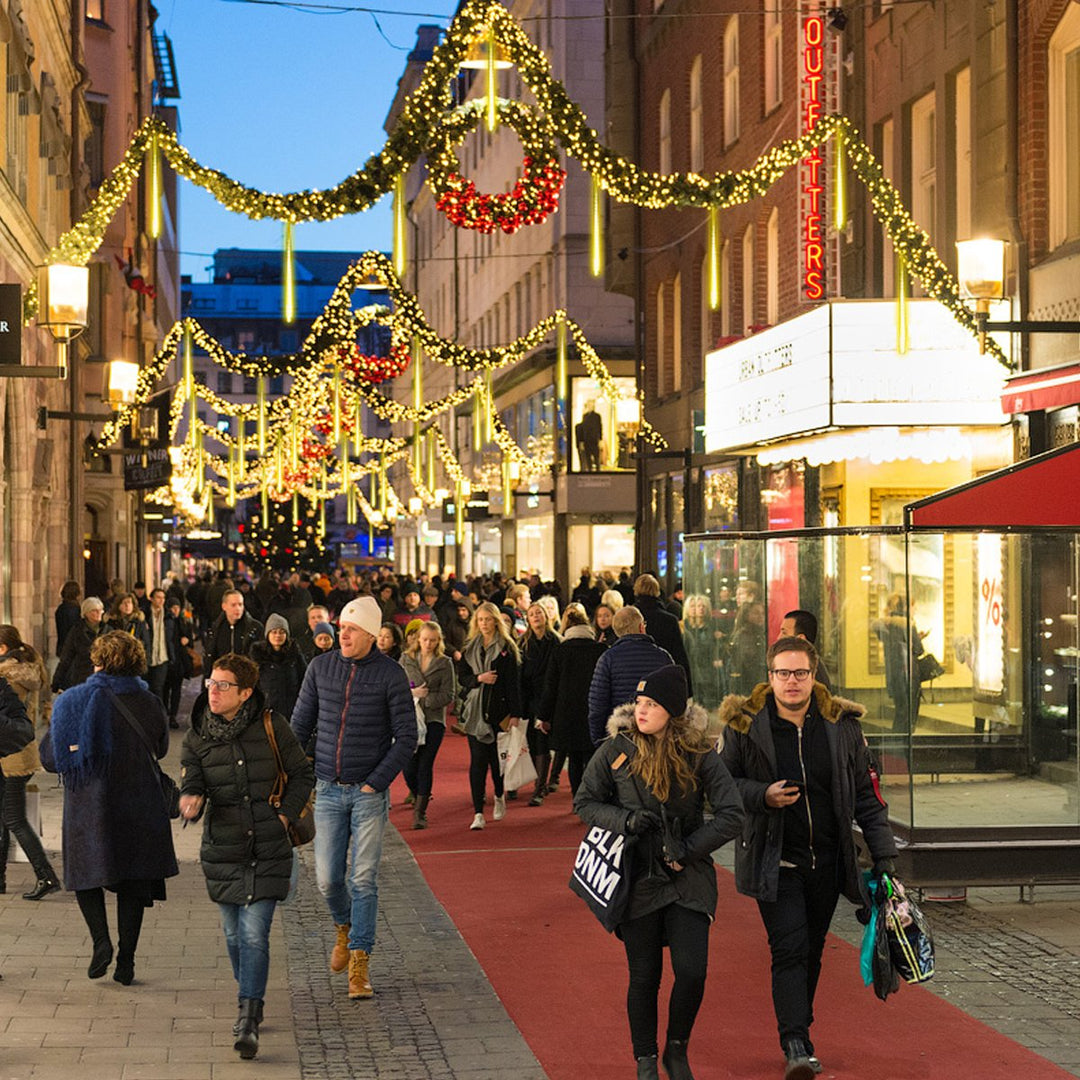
<point>121,382</point>
<point>980,266</point>
<point>63,297</point>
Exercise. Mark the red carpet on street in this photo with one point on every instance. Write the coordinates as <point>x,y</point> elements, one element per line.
<point>563,979</point>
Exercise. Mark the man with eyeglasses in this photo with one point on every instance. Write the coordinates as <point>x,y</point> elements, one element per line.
<point>800,761</point>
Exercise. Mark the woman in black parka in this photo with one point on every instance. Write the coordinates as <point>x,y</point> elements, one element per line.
<point>281,666</point>
<point>651,779</point>
<point>229,771</point>
<point>116,832</point>
<point>537,648</point>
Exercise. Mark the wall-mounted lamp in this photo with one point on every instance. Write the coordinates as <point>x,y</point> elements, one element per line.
<point>121,382</point>
<point>63,298</point>
<point>980,266</point>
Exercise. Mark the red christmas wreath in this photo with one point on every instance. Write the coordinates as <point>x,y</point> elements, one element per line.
<point>535,194</point>
<point>373,369</point>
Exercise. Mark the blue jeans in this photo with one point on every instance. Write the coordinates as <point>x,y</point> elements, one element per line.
<point>349,824</point>
<point>247,937</point>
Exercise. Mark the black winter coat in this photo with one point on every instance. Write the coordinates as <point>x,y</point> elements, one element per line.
<point>246,853</point>
<point>75,667</point>
<point>608,793</point>
<point>565,701</point>
<point>281,674</point>
<point>502,699</point>
<point>536,654</point>
<point>223,638</point>
<point>750,755</point>
<point>16,728</point>
<point>664,629</point>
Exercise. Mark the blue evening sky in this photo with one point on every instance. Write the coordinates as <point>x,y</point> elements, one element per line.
<point>282,98</point>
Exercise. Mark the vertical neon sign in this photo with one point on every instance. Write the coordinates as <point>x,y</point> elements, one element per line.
<point>812,94</point>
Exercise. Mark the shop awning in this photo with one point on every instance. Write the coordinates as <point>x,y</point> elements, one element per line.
<point>1049,388</point>
<point>1038,492</point>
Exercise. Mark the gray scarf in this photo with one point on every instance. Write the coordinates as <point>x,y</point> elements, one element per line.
<point>480,659</point>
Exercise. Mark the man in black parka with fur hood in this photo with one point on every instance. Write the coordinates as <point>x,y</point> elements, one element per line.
<point>800,761</point>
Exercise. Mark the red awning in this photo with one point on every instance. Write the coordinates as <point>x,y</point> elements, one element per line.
<point>1038,492</point>
<point>1048,388</point>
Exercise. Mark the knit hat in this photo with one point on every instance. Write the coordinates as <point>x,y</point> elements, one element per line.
<point>363,612</point>
<point>413,624</point>
<point>91,603</point>
<point>322,628</point>
<point>277,622</point>
<point>460,588</point>
<point>667,687</point>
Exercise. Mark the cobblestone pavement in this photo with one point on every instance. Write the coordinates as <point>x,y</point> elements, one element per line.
<point>434,1015</point>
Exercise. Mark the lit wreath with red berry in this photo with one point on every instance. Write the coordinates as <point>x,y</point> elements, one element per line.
<point>369,369</point>
<point>534,195</point>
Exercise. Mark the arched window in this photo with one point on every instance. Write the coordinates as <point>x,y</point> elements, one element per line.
<point>748,318</point>
<point>697,118</point>
<point>731,80</point>
<point>664,129</point>
<point>772,268</point>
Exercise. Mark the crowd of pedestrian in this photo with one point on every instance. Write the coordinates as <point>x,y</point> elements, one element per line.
<point>337,683</point>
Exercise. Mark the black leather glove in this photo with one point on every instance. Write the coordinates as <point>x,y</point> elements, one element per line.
<point>674,847</point>
<point>884,866</point>
<point>639,822</point>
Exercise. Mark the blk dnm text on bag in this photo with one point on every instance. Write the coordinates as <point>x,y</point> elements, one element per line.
<point>598,861</point>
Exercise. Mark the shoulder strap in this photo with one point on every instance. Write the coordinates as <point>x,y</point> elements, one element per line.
<point>282,777</point>
<point>126,713</point>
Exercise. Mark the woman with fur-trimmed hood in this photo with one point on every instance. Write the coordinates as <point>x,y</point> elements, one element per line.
<point>800,760</point>
<point>651,779</point>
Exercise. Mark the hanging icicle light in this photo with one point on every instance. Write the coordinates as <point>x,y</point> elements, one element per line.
<point>241,451</point>
<point>431,460</point>
<point>154,184</point>
<point>596,226</point>
<point>714,258</point>
<point>358,434</point>
<point>337,404</point>
<point>383,499</point>
<point>489,412</point>
<point>400,224</point>
<point>459,516</point>
<point>288,276</point>
<point>189,386</point>
<point>492,82</point>
<point>265,494</point>
<point>260,420</point>
<point>478,424</point>
<point>840,180</point>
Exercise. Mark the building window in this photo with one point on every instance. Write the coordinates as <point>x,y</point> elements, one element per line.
<point>95,9</point>
<point>748,278</point>
<point>731,80</point>
<point>697,118</point>
<point>665,131</point>
<point>888,253</point>
<point>224,382</point>
<point>95,142</point>
<point>774,54</point>
<point>250,385</point>
<point>772,268</point>
<point>706,312</point>
<point>924,164</point>
<point>725,289</point>
<point>676,335</point>
<point>661,338</point>
<point>962,151</point>
<point>277,385</point>
<point>1064,100</point>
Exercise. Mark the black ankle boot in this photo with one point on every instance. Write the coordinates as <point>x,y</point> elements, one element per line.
<point>43,887</point>
<point>239,1025</point>
<point>647,1069</point>
<point>675,1063</point>
<point>247,1042</point>
<point>125,970</point>
<point>799,1066</point>
<point>101,959</point>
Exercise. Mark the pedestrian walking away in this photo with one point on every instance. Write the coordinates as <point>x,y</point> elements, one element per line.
<point>800,760</point>
<point>651,780</point>
<point>115,828</point>
<point>229,772</point>
<point>357,702</point>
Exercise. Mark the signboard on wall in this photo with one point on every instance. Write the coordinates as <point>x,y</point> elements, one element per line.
<point>837,366</point>
<point>10,324</point>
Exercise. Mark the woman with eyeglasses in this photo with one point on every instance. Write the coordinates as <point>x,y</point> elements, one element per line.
<point>804,771</point>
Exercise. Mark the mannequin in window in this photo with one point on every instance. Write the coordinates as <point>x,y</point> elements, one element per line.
<point>588,434</point>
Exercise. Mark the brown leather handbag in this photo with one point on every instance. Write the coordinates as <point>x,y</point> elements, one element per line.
<point>301,831</point>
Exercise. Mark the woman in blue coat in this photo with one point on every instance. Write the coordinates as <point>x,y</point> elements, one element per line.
<point>116,832</point>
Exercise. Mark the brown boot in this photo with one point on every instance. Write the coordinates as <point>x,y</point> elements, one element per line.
<point>419,814</point>
<point>359,981</point>
<point>339,958</point>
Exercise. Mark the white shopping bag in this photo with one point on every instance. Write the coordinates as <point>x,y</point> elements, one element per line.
<point>514,760</point>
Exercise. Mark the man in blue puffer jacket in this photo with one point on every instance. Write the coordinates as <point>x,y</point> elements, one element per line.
<point>359,705</point>
<point>618,672</point>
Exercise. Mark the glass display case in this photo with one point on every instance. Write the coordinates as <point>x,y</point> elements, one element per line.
<point>963,648</point>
